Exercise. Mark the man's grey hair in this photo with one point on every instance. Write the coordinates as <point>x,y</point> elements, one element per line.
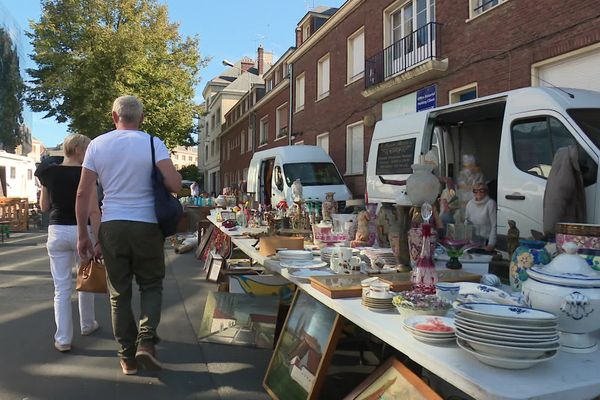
<point>129,109</point>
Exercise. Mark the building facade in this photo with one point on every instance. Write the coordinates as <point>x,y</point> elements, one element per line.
<point>377,59</point>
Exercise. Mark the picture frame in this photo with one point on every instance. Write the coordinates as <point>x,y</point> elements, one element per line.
<point>204,240</point>
<point>304,350</point>
<point>214,268</point>
<point>393,380</point>
<point>227,215</point>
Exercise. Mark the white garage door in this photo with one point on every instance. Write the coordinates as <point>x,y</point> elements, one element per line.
<point>581,71</point>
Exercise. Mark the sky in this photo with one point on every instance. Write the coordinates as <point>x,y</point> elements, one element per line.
<point>228,29</point>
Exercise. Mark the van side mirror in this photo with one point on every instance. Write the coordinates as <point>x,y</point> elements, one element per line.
<point>278,178</point>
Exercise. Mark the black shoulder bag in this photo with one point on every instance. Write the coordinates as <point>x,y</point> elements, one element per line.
<point>167,208</point>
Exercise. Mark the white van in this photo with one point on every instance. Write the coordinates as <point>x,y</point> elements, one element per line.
<point>16,176</point>
<point>272,172</point>
<point>513,136</point>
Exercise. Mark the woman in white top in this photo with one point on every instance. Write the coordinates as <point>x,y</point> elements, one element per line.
<point>481,212</point>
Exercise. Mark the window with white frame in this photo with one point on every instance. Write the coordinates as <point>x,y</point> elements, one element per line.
<point>323,77</point>
<point>356,55</point>
<point>300,93</point>
<point>323,141</point>
<point>463,93</point>
<point>264,130</point>
<point>354,149</point>
<point>476,7</point>
<point>281,120</point>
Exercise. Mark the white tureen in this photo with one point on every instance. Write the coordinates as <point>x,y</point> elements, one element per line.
<point>569,288</point>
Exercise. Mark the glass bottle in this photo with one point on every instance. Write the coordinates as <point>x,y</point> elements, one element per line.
<point>424,277</point>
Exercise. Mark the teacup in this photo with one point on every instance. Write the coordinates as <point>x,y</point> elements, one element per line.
<point>447,291</point>
<point>379,290</point>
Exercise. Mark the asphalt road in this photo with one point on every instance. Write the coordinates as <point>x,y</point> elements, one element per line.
<point>30,367</point>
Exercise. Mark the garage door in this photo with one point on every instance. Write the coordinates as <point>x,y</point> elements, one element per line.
<point>581,71</point>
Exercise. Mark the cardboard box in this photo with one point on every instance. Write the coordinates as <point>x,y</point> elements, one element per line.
<point>270,244</point>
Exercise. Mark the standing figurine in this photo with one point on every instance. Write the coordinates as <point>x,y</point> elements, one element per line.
<point>512,238</point>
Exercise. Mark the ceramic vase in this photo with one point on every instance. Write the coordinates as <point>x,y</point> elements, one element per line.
<point>387,220</point>
<point>422,186</point>
<point>530,253</point>
<point>415,243</point>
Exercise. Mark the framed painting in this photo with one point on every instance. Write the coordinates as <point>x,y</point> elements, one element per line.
<point>303,351</point>
<point>214,268</point>
<point>394,381</point>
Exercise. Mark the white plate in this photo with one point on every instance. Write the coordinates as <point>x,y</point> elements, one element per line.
<point>513,352</point>
<point>295,255</point>
<point>526,343</point>
<point>502,362</point>
<point>305,274</point>
<point>426,339</point>
<point>492,333</point>
<point>507,313</point>
<point>518,327</point>
<point>302,264</point>
<point>412,322</point>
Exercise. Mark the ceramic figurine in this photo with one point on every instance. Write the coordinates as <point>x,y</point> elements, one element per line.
<point>297,190</point>
<point>512,238</point>
<point>328,206</point>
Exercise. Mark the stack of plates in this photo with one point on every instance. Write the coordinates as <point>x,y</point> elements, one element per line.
<point>376,303</point>
<point>507,336</point>
<point>431,329</point>
<point>291,255</point>
<point>327,251</point>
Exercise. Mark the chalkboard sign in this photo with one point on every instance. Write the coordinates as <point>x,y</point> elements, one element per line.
<point>395,157</point>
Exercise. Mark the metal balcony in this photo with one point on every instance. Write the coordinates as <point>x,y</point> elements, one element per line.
<point>412,50</point>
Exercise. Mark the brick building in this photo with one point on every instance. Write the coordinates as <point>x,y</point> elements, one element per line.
<point>379,58</point>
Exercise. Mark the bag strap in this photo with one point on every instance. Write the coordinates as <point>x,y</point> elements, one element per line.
<point>153,157</point>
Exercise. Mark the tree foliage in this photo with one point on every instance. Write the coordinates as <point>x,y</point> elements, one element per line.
<point>11,93</point>
<point>190,173</point>
<point>88,52</point>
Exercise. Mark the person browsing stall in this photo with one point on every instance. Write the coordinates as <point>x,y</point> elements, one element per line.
<point>482,213</point>
<point>130,238</point>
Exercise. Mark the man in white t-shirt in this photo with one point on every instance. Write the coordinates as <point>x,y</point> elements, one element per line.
<point>130,239</point>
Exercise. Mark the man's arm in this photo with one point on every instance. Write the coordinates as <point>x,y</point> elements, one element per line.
<point>87,185</point>
<point>171,178</point>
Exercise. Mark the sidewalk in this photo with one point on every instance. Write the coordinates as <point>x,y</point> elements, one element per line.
<point>32,369</point>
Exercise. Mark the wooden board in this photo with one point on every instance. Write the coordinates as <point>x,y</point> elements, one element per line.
<point>401,281</point>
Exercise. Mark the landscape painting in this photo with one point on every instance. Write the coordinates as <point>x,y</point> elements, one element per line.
<point>303,351</point>
<point>238,319</point>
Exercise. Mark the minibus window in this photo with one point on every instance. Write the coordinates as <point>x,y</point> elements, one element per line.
<point>312,174</point>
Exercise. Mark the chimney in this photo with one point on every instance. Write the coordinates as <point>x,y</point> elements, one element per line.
<point>298,37</point>
<point>260,60</point>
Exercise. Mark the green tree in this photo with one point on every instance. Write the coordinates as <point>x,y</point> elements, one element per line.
<point>11,94</point>
<point>190,173</point>
<point>88,52</point>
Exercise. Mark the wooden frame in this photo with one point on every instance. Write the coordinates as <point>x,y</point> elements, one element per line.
<point>204,240</point>
<point>214,268</point>
<point>303,351</point>
<point>393,380</point>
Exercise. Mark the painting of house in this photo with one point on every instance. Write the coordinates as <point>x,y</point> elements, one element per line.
<point>303,350</point>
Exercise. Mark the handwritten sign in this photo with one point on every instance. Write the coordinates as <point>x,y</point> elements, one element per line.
<point>395,157</point>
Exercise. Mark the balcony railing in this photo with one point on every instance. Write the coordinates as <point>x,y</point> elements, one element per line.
<point>421,45</point>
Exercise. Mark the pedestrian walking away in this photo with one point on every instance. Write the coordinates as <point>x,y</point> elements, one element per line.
<point>59,187</point>
<point>131,241</point>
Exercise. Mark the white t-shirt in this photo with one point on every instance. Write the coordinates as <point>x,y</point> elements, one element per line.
<point>123,161</point>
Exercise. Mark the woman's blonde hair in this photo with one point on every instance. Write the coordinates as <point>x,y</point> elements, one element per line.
<point>74,142</point>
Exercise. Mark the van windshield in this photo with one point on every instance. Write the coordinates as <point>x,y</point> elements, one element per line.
<point>588,120</point>
<point>312,174</point>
